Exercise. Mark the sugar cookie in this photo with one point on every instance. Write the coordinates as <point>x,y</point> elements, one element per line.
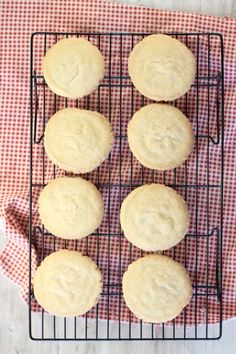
<point>161,67</point>
<point>160,136</point>
<point>73,67</point>
<point>156,288</point>
<point>71,207</point>
<point>154,217</point>
<point>78,140</point>
<point>67,283</point>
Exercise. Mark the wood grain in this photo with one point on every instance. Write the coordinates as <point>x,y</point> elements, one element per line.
<point>213,7</point>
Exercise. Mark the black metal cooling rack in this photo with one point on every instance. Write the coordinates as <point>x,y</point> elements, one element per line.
<point>207,96</point>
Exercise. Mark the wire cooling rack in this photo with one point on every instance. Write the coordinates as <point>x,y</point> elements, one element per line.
<point>199,180</point>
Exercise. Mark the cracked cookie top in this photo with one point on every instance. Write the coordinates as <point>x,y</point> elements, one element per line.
<point>160,136</point>
<point>73,67</point>
<point>154,217</point>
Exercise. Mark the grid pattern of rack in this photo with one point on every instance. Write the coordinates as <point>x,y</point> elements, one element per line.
<point>199,180</point>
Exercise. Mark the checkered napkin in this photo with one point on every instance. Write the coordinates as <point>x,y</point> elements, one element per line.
<point>18,20</point>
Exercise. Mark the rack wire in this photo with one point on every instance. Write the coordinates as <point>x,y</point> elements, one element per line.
<point>199,180</point>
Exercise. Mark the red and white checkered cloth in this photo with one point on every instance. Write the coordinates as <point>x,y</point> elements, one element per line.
<point>18,20</point>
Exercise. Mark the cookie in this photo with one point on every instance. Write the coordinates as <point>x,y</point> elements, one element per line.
<point>78,140</point>
<point>156,288</point>
<point>73,67</point>
<point>71,207</point>
<point>160,136</point>
<point>154,217</point>
<point>161,67</point>
<point>67,283</point>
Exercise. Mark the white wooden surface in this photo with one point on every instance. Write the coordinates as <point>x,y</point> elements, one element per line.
<point>13,313</point>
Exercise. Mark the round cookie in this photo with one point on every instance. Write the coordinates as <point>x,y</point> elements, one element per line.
<point>161,67</point>
<point>154,217</point>
<point>78,140</point>
<point>71,207</point>
<point>160,136</point>
<point>73,67</point>
<point>67,283</point>
<point>156,288</point>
